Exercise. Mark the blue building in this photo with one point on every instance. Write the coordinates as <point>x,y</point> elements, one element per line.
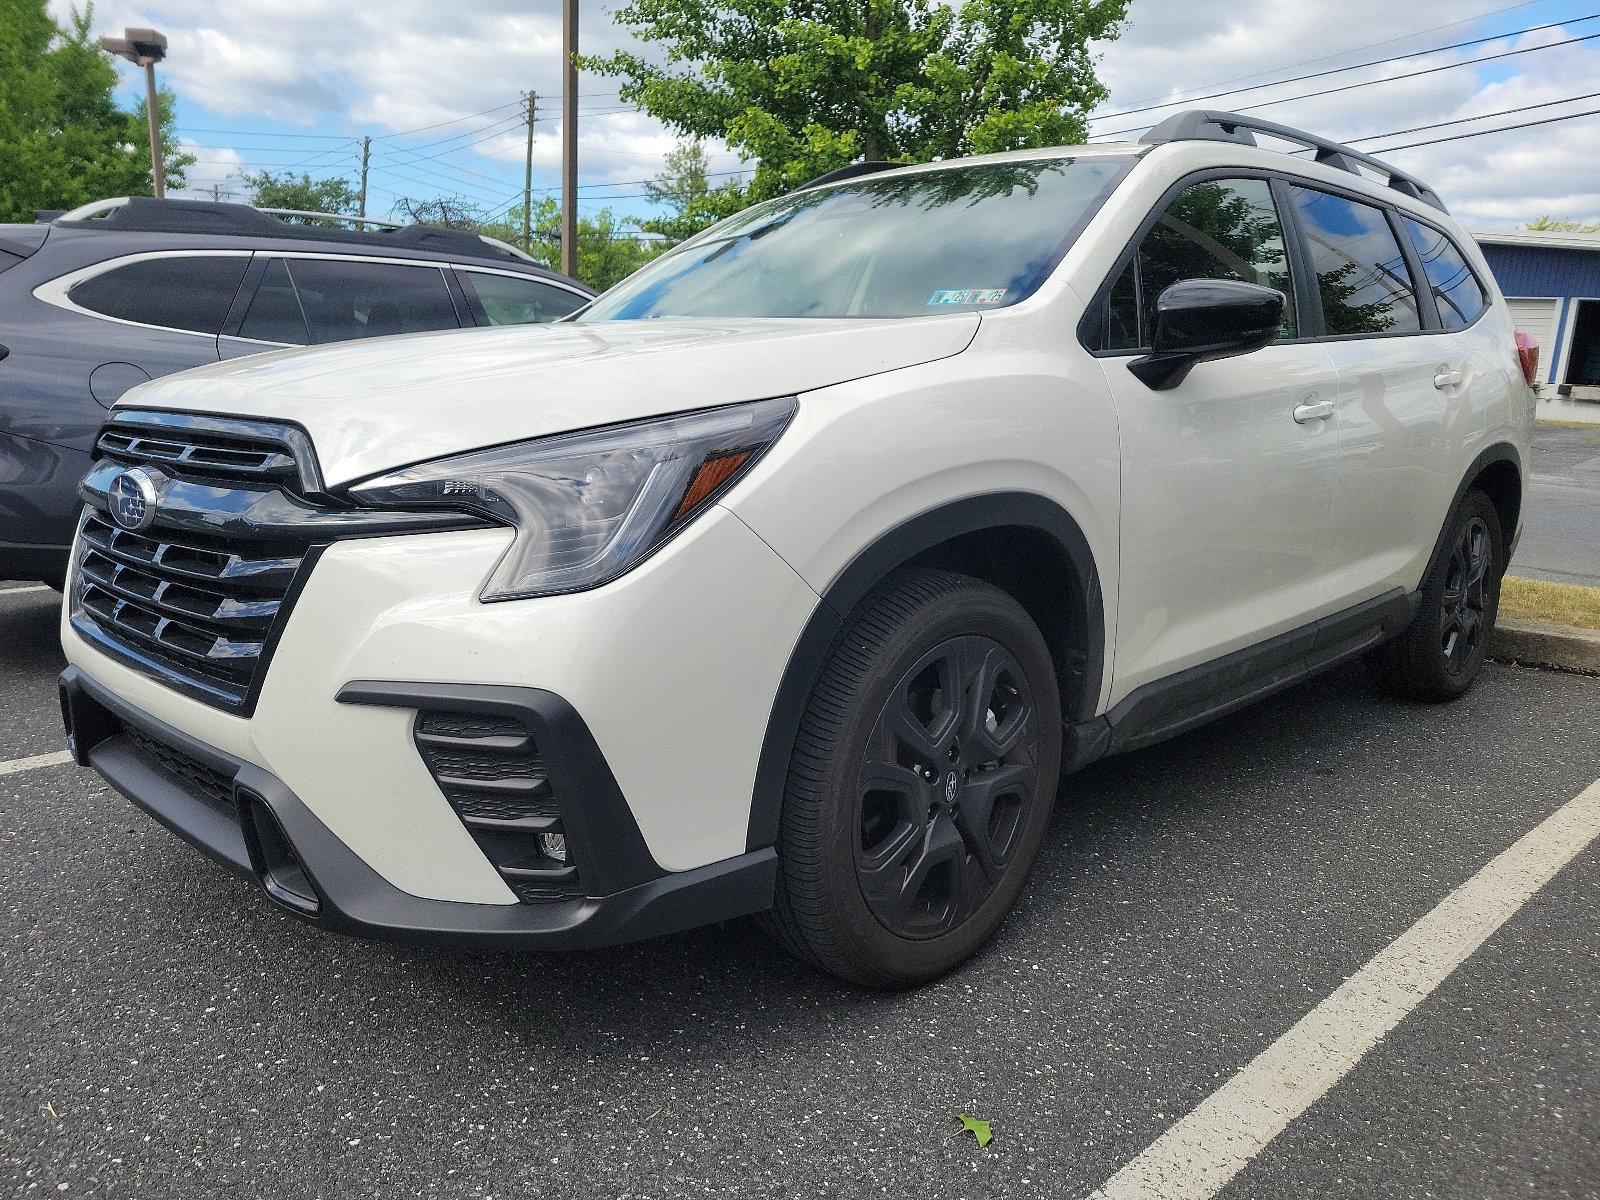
<point>1552,282</point>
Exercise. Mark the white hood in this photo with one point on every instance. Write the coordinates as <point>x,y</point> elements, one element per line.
<point>374,405</point>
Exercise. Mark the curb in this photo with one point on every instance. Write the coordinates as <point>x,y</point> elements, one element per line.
<point>1543,644</point>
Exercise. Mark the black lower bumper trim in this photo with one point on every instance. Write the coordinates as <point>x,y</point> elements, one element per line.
<point>350,897</point>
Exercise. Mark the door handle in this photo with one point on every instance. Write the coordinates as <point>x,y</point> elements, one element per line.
<point>1446,377</point>
<point>1321,410</point>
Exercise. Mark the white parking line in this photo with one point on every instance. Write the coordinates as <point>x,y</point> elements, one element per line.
<point>12,766</point>
<point>1196,1157</point>
<point>32,587</point>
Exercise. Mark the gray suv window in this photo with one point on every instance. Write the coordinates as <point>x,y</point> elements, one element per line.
<point>275,314</point>
<point>343,300</point>
<point>190,292</point>
<point>515,300</point>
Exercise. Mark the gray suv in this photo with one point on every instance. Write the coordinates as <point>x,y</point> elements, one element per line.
<point>97,300</point>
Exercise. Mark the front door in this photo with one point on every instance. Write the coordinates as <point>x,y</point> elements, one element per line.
<point>1227,479</point>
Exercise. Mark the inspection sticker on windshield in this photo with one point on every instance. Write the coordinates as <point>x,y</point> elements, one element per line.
<point>969,296</point>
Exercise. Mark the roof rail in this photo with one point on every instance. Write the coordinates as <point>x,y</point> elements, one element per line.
<point>850,171</point>
<point>1210,125</point>
<point>301,212</point>
<point>145,214</point>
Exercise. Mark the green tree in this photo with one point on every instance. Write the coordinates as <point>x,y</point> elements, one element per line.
<point>63,140</point>
<point>1549,224</point>
<point>805,86</point>
<point>683,188</point>
<point>302,192</point>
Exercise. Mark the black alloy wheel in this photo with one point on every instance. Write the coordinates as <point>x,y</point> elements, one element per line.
<point>922,782</point>
<point>1440,653</point>
<point>947,785</point>
<point>1462,620</point>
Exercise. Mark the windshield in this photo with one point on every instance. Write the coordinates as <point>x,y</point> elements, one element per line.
<point>965,239</point>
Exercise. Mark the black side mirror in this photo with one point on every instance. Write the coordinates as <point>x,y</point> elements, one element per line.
<point>1201,319</point>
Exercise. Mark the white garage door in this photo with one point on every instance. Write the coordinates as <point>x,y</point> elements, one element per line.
<point>1538,317</point>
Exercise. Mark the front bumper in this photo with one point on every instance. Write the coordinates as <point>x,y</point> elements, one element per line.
<point>246,819</point>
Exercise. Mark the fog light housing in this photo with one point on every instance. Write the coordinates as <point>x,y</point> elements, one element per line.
<point>554,845</point>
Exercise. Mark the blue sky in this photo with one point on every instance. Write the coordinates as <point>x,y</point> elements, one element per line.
<point>264,84</point>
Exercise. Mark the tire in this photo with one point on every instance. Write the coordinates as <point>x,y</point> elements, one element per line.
<point>1438,656</point>
<point>909,825</point>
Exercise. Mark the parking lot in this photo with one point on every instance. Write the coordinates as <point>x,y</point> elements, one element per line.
<point>168,1033</point>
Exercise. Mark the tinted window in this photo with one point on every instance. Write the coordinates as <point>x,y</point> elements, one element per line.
<point>1361,273</point>
<point>1221,229</point>
<point>955,239</point>
<point>342,299</point>
<point>275,314</point>
<point>1122,310</point>
<point>190,292</point>
<point>1455,288</point>
<point>513,300</point>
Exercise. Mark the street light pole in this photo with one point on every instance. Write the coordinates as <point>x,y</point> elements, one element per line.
<point>158,168</point>
<point>145,48</point>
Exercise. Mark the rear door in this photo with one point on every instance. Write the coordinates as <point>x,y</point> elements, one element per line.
<point>1400,373</point>
<point>1227,493</point>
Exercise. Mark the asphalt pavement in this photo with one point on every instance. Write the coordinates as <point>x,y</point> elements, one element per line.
<point>169,1034</point>
<point>1561,532</point>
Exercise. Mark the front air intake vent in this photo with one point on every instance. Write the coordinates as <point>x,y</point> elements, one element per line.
<point>490,770</point>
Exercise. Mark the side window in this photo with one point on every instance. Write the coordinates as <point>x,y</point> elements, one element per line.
<point>275,314</point>
<point>1361,273</point>
<point>1122,311</point>
<point>1456,289</point>
<point>516,300</point>
<point>343,299</point>
<point>1220,229</point>
<point>190,292</point>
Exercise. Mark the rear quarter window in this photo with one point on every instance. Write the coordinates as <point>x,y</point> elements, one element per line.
<point>1456,290</point>
<point>190,292</point>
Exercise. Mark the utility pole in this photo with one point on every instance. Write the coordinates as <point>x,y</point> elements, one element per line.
<point>366,149</point>
<point>216,193</point>
<point>527,177</point>
<point>569,139</point>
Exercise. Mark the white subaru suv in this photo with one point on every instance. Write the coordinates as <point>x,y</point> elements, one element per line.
<point>793,574</point>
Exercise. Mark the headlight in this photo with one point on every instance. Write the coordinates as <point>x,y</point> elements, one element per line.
<point>589,506</point>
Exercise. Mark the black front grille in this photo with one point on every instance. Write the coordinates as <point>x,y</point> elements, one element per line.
<point>198,598</point>
<point>185,601</point>
<point>181,768</point>
<point>490,770</point>
<point>201,453</point>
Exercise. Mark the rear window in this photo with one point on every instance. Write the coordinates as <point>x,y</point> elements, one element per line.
<point>191,292</point>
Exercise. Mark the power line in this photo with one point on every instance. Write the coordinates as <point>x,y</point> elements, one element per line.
<point>1306,62</point>
<point>1376,62</point>
<point>1456,137</point>
<point>1504,112</point>
<point>1348,87</point>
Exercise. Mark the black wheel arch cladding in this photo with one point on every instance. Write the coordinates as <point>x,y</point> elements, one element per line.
<point>999,533</point>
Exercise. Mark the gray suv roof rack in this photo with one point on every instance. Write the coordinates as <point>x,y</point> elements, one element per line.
<point>1210,125</point>
<point>145,214</point>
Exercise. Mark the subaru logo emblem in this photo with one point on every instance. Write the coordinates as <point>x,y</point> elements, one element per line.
<point>133,499</point>
<point>952,785</point>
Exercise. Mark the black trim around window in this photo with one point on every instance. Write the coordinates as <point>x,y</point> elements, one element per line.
<point>1308,304</point>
